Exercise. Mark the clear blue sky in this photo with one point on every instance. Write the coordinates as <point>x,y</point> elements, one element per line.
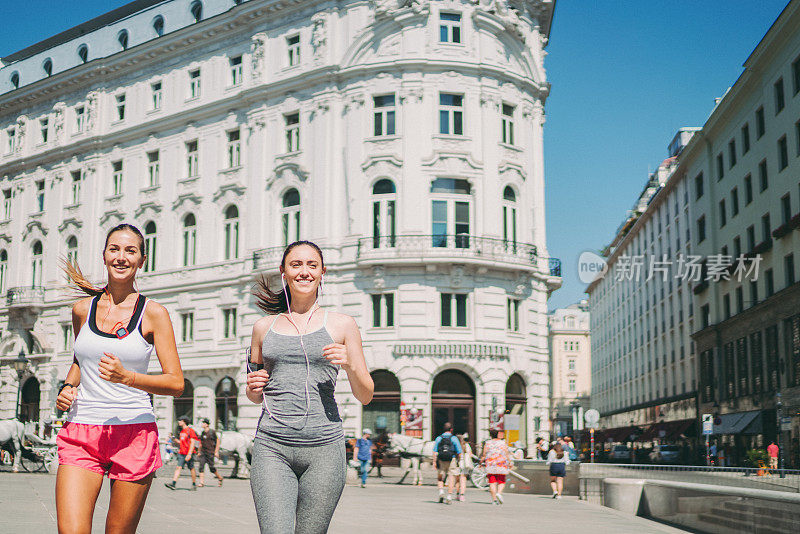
<point>626,74</point>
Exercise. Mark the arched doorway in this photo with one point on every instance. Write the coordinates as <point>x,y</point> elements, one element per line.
<point>29,401</point>
<point>383,413</point>
<point>453,400</point>
<point>517,405</point>
<point>184,405</point>
<point>227,404</point>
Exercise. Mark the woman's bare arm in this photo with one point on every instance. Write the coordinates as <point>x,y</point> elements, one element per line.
<point>350,355</point>
<point>257,379</point>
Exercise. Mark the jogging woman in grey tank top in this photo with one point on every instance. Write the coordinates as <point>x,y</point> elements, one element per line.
<point>298,468</point>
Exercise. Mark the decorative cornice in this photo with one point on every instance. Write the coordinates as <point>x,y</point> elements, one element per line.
<point>439,156</point>
<point>154,207</point>
<point>70,222</point>
<point>282,171</point>
<point>235,188</point>
<point>31,225</point>
<point>186,197</point>
<point>111,214</point>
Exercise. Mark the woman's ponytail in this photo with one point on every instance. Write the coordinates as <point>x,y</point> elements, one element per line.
<point>80,283</point>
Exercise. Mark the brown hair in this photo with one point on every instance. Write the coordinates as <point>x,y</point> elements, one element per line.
<point>73,271</point>
<point>274,302</point>
<point>559,450</point>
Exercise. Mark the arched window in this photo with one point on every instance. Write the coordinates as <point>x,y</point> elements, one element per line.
<point>47,67</point>
<point>83,53</point>
<point>15,79</point>
<point>231,233</point>
<point>290,215</point>
<point>383,413</point>
<point>450,212</point>
<point>227,404</point>
<point>384,214</point>
<point>197,11</point>
<point>72,249</point>
<point>184,405</point>
<point>122,39</point>
<point>29,400</point>
<point>150,247</point>
<point>158,25</point>
<point>510,217</point>
<point>189,240</point>
<point>36,264</point>
<point>517,405</point>
<point>3,270</point>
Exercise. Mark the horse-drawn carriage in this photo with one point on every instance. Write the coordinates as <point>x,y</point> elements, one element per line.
<point>26,449</point>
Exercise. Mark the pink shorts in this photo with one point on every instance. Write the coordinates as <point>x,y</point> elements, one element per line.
<point>496,479</point>
<point>125,452</point>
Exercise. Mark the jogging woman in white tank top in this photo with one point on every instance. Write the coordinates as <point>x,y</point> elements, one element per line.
<point>298,468</point>
<point>110,428</point>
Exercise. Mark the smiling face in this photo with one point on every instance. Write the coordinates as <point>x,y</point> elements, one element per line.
<point>123,256</point>
<point>303,271</point>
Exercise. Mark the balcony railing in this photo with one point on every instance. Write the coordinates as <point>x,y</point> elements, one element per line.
<point>555,267</point>
<point>451,247</point>
<point>267,258</point>
<point>25,296</point>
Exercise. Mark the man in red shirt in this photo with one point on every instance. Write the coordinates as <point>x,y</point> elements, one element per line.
<point>188,439</point>
<point>772,450</point>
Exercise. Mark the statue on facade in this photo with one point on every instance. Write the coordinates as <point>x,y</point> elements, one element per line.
<point>22,121</point>
<point>257,45</point>
<point>386,8</point>
<point>91,110</point>
<point>58,120</point>
<point>319,35</point>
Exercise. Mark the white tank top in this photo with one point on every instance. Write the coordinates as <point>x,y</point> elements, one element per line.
<point>101,402</point>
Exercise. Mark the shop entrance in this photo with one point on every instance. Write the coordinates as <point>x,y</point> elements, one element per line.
<point>453,400</point>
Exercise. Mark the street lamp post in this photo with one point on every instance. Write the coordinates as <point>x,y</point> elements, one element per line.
<point>779,415</point>
<point>19,365</point>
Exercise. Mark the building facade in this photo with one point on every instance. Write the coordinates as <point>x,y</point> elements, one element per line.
<point>743,169</point>
<point>643,359</point>
<point>570,368</point>
<point>403,137</point>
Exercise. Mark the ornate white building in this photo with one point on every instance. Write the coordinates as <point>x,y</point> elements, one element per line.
<point>405,137</point>
<point>570,368</point>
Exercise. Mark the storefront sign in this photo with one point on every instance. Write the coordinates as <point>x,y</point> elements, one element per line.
<point>411,421</point>
<point>453,350</point>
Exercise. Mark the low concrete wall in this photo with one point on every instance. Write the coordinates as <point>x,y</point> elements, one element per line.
<point>539,474</point>
<point>705,507</point>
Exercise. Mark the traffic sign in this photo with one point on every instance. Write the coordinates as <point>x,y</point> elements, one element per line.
<point>786,424</point>
<point>708,424</point>
<point>592,417</point>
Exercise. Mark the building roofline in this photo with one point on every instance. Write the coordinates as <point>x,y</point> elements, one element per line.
<point>81,29</point>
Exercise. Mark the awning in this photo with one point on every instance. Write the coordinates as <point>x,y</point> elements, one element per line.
<point>739,423</point>
<point>668,430</point>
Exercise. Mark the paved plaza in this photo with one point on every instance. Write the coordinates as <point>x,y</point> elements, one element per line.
<point>28,506</point>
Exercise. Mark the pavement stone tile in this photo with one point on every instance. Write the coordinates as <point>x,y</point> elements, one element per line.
<point>28,505</point>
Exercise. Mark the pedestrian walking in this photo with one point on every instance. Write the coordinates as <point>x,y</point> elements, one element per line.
<point>557,459</point>
<point>498,461</point>
<point>299,467</point>
<point>110,426</point>
<point>209,451</point>
<point>541,449</point>
<point>446,450</point>
<point>465,465</point>
<point>188,441</point>
<point>772,451</point>
<point>363,454</point>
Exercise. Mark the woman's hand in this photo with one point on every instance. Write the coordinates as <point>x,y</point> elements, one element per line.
<point>257,380</point>
<point>66,397</point>
<point>111,369</point>
<point>336,353</point>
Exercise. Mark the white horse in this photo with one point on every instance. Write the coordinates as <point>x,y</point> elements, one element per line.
<point>14,431</point>
<point>240,447</point>
<point>414,451</point>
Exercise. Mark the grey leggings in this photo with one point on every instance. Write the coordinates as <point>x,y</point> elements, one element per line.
<point>296,489</point>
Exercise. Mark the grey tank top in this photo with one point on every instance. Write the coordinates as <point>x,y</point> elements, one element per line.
<point>285,395</point>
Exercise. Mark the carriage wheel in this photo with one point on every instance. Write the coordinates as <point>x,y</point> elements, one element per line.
<point>31,461</point>
<point>51,460</point>
<point>478,477</point>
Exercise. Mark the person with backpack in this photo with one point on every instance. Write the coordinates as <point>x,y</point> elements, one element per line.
<point>446,451</point>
